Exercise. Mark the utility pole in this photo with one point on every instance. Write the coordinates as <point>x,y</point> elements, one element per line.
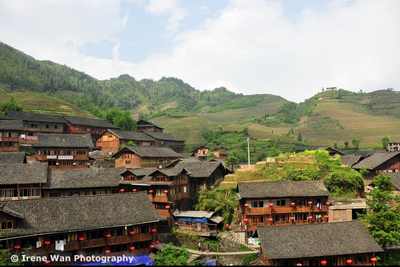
<point>248,150</point>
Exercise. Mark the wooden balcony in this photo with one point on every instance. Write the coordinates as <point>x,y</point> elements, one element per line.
<point>155,198</point>
<point>179,196</point>
<point>284,210</point>
<point>9,139</point>
<point>9,149</point>
<point>92,243</point>
<point>114,240</point>
<point>164,213</point>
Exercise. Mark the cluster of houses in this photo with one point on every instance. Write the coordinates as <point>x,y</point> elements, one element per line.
<point>58,202</point>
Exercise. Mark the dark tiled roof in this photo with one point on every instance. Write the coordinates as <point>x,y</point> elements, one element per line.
<point>282,189</point>
<point>11,125</point>
<point>325,239</point>
<point>364,153</point>
<point>163,136</point>
<point>395,178</point>
<point>375,160</point>
<point>80,213</point>
<point>350,160</point>
<point>145,175</point>
<point>134,136</point>
<point>84,178</point>
<point>30,173</point>
<point>64,140</point>
<point>89,122</point>
<point>13,213</point>
<point>187,155</point>
<point>200,169</point>
<point>12,157</point>
<point>143,123</point>
<point>150,152</point>
<point>200,147</point>
<point>33,117</point>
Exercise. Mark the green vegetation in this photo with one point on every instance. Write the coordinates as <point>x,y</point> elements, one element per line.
<point>249,258</point>
<point>11,105</point>
<point>383,214</point>
<point>121,119</point>
<point>170,256</point>
<point>385,142</point>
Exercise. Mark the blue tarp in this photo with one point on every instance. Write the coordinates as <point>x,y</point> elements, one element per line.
<point>211,262</point>
<point>202,220</point>
<point>141,259</point>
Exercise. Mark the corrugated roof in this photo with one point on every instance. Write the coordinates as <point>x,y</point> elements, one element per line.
<point>10,125</point>
<point>282,189</point>
<point>309,240</point>
<point>64,141</point>
<point>30,173</point>
<point>375,160</point>
<point>81,213</point>
<point>89,122</point>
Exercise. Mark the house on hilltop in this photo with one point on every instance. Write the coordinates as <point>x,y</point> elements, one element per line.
<point>147,126</point>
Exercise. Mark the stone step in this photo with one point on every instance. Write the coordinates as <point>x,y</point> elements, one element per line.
<point>234,239</point>
<point>192,258</point>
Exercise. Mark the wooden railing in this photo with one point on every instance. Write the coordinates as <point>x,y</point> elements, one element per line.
<point>164,213</point>
<point>155,198</point>
<point>278,210</point>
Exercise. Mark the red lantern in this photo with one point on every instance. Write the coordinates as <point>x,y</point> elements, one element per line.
<point>152,246</point>
<point>132,248</point>
<point>374,259</point>
<point>151,191</point>
<point>270,204</point>
<point>299,264</point>
<point>47,243</point>
<point>291,218</point>
<point>156,241</point>
<point>17,247</point>
<point>134,190</point>
<point>167,207</point>
<point>57,164</point>
<point>326,216</point>
<point>270,220</point>
<point>323,263</point>
<point>81,238</point>
<point>153,230</point>
<point>310,218</point>
<point>327,203</point>
<point>108,235</point>
<point>246,205</point>
<point>165,191</point>
<point>245,220</point>
<point>88,164</point>
<point>107,251</point>
<point>310,202</point>
<point>122,190</point>
<point>292,204</point>
<point>191,225</point>
<point>349,261</point>
<point>47,262</point>
<point>132,232</point>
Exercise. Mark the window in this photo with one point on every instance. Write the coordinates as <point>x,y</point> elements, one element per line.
<point>184,189</point>
<point>8,193</point>
<point>29,192</point>
<point>6,225</point>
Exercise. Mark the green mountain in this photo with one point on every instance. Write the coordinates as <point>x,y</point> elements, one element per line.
<point>216,117</point>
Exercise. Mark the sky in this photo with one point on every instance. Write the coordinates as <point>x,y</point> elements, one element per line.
<point>289,48</point>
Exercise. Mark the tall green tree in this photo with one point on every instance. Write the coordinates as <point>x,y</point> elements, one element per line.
<point>11,105</point>
<point>233,161</point>
<point>356,143</point>
<point>382,218</point>
<point>385,141</point>
<point>121,119</point>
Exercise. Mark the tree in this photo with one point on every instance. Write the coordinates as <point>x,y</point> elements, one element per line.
<point>355,143</point>
<point>299,138</point>
<point>346,144</point>
<point>385,142</point>
<point>382,218</point>
<point>170,256</point>
<point>11,105</point>
<point>121,119</point>
<point>233,161</point>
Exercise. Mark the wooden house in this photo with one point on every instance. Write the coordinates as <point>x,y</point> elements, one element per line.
<point>94,127</point>
<point>144,157</point>
<point>22,180</point>
<point>221,152</point>
<point>379,162</point>
<point>330,244</point>
<point>201,151</point>
<point>112,140</point>
<point>281,203</point>
<point>167,140</point>
<point>64,151</point>
<point>10,130</point>
<point>203,174</point>
<point>112,225</point>
<point>147,126</point>
<point>35,123</point>
<point>197,221</point>
<point>80,182</point>
<point>168,189</point>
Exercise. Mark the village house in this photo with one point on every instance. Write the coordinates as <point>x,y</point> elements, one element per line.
<point>144,157</point>
<point>94,127</point>
<point>64,151</point>
<point>379,162</point>
<point>203,151</point>
<point>35,123</point>
<point>330,244</point>
<point>21,180</point>
<point>167,140</point>
<point>112,140</point>
<point>79,182</point>
<point>281,203</point>
<point>198,221</point>
<point>202,174</point>
<point>168,189</point>
<point>10,131</point>
<point>142,125</point>
<point>393,146</point>
<point>113,225</point>
<point>346,209</point>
